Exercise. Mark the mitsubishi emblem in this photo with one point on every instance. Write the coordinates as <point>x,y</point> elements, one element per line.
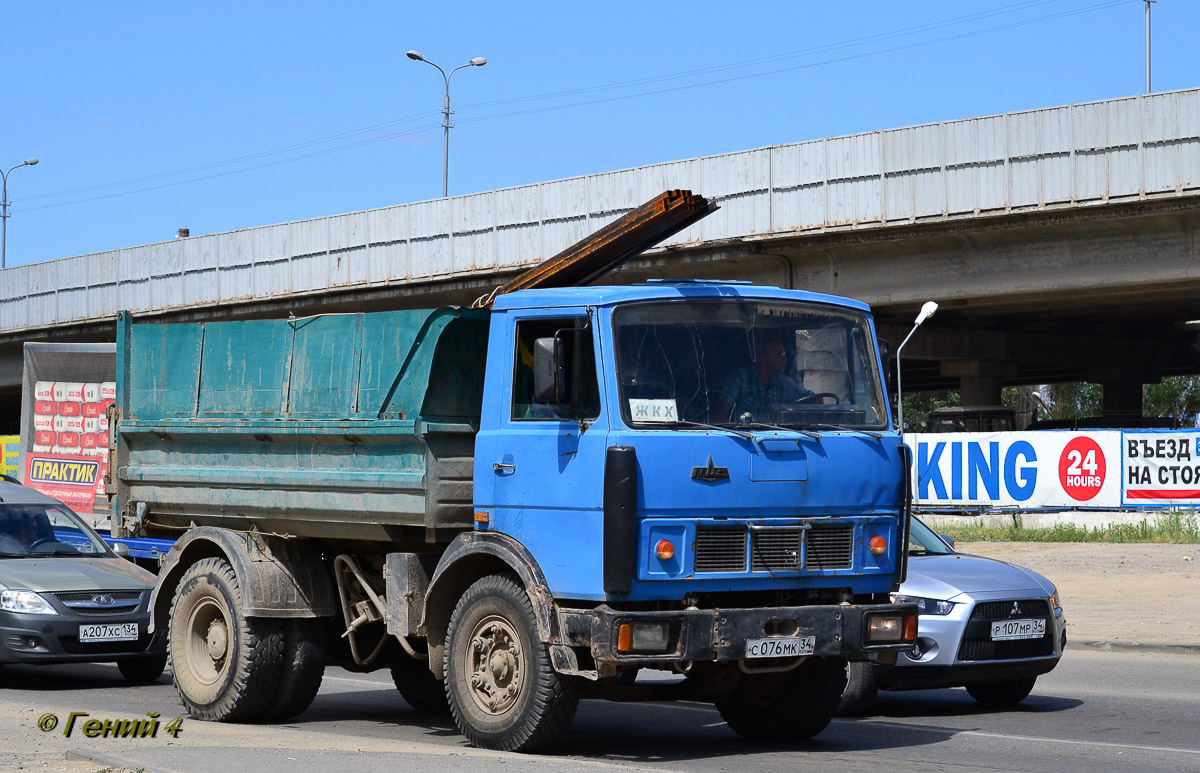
<point>711,472</point>
<point>1016,610</point>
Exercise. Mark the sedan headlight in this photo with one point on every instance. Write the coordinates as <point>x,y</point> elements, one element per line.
<point>1054,602</point>
<point>925,606</point>
<point>25,602</point>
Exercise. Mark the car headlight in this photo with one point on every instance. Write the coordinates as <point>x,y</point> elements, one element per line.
<point>925,606</point>
<point>1054,602</point>
<point>25,602</point>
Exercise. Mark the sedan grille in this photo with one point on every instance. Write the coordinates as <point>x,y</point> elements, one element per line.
<point>102,603</point>
<point>978,645</point>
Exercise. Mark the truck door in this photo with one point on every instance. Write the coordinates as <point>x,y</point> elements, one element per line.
<point>541,463</point>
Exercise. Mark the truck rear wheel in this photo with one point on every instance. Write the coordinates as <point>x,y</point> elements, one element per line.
<point>303,668</point>
<point>226,665</point>
<point>786,707</point>
<point>418,686</point>
<point>503,691</point>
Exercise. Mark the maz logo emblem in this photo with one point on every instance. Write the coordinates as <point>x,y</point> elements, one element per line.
<point>711,472</point>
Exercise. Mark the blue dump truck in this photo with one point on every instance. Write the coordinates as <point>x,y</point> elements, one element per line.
<point>522,504</point>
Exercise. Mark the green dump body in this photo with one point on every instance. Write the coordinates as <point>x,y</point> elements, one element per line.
<point>336,427</point>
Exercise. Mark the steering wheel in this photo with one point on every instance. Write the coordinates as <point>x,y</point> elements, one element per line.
<point>819,396</point>
<point>40,541</point>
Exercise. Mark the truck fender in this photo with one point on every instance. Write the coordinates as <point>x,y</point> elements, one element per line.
<point>276,577</point>
<point>471,556</point>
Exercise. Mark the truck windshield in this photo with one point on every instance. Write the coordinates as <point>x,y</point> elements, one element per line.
<point>741,363</point>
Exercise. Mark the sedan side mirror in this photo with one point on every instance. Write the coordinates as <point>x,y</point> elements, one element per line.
<point>948,538</point>
<point>121,549</point>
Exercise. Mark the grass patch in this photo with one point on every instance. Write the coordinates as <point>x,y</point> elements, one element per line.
<point>1172,528</point>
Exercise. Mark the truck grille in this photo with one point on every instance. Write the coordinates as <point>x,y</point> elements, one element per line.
<point>775,550</point>
<point>830,546</point>
<point>977,643</point>
<point>720,549</point>
<point>723,548</point>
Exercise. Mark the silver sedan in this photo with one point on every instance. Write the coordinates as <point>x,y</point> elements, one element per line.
<point>985,625</point>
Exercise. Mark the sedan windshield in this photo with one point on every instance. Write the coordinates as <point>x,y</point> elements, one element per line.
<point>922,541</point>
<point>742,363</point>
<point>33,530</point>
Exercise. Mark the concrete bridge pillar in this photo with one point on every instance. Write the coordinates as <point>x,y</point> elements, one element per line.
<point>1122,396</point>
<point>979,380</point>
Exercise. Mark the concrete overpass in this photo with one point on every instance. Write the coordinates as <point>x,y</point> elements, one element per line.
<point>1062,244</point>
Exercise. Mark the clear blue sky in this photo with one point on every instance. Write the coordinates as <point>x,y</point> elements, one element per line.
<point>240,114</point>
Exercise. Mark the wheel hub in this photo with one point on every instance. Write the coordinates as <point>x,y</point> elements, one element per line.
<point>217,640</point>
<point>496,665</point>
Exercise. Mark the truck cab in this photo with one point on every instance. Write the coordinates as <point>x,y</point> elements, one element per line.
<point>751,486</point>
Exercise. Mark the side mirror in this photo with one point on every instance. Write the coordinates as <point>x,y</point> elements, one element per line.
<point>549,370</point>
<point>949,540</point>
<point>121,549</point>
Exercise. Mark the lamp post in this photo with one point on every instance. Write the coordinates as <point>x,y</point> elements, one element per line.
<point>4,209</point>
<point>926,312</point>
<point>478,61</point>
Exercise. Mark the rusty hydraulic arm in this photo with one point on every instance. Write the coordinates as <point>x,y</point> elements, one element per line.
<point>611,246</point>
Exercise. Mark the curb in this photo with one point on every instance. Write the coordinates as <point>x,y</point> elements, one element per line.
<point>82,755</point>
<point>1105,645</point>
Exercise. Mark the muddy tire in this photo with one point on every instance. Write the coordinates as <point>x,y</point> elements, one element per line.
<point>226,665</point>
<point>860,692</point>
<point>418,686</point>
<point>502,690</point>
<point>302,671</point>
<point>143,670</point>
<point>1005,693</point>
<point>793,706</point>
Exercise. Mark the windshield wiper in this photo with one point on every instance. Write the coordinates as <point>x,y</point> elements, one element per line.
<point>839,428</point>
<point>779,428</point>
<point>702,425</point>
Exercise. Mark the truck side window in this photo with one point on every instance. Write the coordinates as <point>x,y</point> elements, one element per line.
<point>525,405</point>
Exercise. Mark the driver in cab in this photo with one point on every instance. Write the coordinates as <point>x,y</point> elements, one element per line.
<point>22,533</point>
<point>754,388</point>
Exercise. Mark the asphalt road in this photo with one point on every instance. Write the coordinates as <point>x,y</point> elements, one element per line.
<point>1097,711</point>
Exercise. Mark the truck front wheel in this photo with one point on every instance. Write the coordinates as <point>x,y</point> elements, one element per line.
<point>227,666</point>
<point>786,707</point>
<point>503,692</point>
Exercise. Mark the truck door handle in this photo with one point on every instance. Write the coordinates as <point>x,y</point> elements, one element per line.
<point>498,467</point>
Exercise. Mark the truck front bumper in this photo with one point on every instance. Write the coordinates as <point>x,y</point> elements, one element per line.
<point>847,631</point>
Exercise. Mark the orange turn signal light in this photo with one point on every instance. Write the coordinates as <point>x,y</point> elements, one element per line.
<point>624,637</point>
<point>910,628</point>
<point>664,550</point>
<point>878,545</point>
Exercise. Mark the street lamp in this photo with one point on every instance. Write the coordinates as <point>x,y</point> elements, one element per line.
<point>4,209</point>
<point>926,312</point>
<point>478,61</point>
